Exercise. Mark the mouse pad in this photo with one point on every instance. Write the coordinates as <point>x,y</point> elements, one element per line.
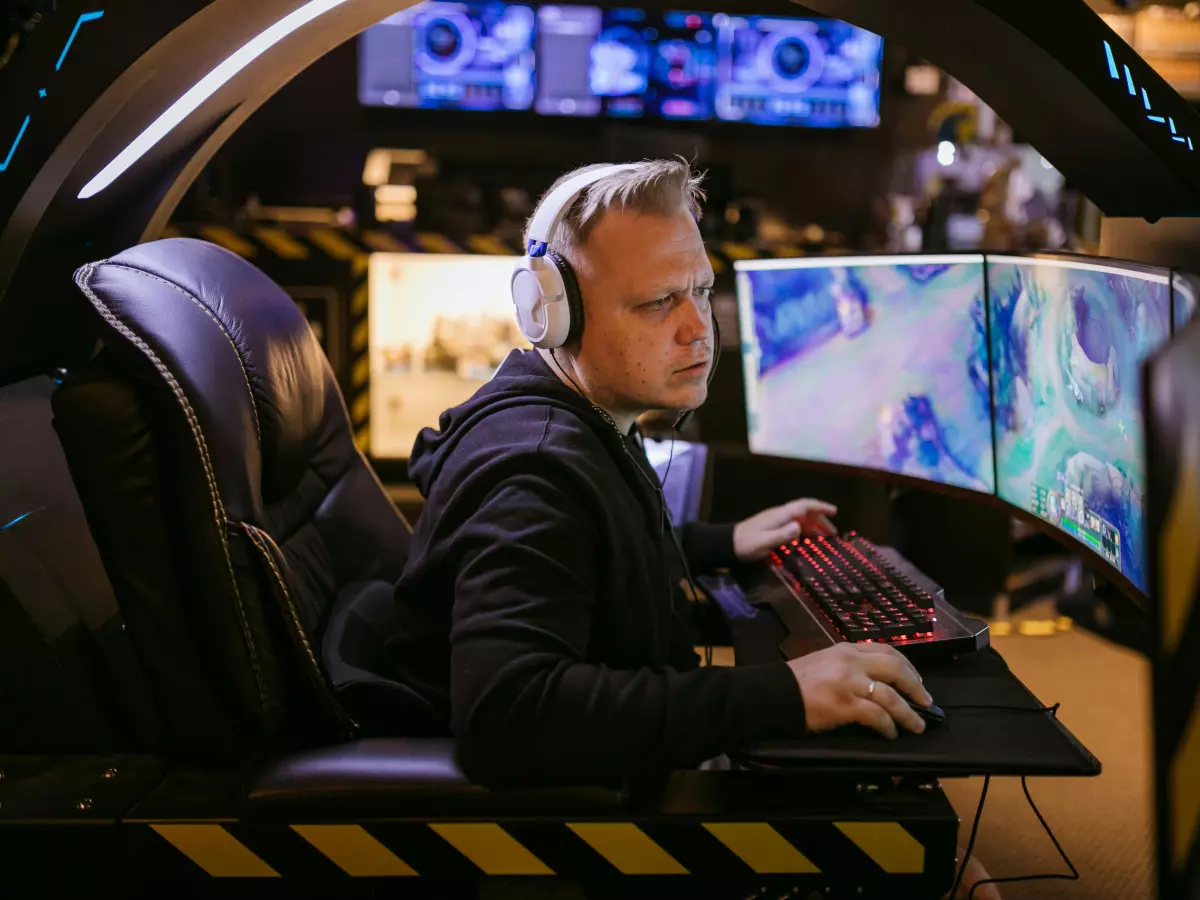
<point>972,741</point>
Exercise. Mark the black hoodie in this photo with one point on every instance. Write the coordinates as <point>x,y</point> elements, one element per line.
<point>536,613</point>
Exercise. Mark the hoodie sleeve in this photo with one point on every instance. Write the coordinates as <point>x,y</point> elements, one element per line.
<point>526,706</point>
<point>707,546</point>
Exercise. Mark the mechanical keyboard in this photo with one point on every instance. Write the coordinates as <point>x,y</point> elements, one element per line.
<point>851,590</point>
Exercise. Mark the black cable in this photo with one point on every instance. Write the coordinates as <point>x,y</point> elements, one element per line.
<point>1053,710</point>
<point>1052,876</point>
<point>971,843</point>
<point>656,485</point>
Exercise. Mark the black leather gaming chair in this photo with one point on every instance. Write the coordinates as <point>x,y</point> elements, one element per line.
<point>237,520</point>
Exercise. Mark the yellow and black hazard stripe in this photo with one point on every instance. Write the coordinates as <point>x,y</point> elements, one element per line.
<point>358,387</point>
<point>810,852</point>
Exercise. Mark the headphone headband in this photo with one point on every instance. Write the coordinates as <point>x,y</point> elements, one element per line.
<point>553,208</point>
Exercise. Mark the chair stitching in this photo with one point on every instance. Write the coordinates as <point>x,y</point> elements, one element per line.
<point>82,280</point>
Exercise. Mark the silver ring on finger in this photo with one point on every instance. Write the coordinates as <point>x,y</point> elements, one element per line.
<point>871,690</point>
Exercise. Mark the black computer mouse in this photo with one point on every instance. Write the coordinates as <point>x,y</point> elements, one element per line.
<point>932,714</point>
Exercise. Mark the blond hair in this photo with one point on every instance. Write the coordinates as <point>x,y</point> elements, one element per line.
<point>654,187</point>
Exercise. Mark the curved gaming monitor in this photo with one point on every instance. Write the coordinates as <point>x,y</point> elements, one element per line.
<point>874,362</point>
<point>1016,376</point>
<point>1068,341</point>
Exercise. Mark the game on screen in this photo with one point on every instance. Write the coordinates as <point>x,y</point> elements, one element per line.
<point>1068,340</point>
<point>870,362</point>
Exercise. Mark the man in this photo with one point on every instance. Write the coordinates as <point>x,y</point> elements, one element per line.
<point>537,614</point>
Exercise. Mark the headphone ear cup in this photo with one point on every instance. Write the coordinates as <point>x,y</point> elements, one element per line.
<point>574,296</point>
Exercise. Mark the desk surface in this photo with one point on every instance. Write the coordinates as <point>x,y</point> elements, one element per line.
<point>972,741</point>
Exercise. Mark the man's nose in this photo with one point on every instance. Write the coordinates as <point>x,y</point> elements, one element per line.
<point>695,322</point>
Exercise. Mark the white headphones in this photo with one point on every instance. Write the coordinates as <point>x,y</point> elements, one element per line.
<point>545,290</point>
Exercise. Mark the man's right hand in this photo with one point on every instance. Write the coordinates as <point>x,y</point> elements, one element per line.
<point>836,686</point>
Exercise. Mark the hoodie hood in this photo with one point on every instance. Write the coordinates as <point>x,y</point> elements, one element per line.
<point>522,380</point>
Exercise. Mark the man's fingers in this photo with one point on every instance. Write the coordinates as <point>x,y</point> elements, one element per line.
<point>808,507</point>
<point>824,526</point>
<point>894,705</point>
<point>871,714</point>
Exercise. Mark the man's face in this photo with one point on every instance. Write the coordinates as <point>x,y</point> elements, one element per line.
<point>647,338</point>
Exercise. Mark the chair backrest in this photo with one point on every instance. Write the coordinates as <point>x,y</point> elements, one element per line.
<point>213,454</point>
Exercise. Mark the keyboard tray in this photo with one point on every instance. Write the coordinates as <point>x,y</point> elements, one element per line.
<point>970,742</point>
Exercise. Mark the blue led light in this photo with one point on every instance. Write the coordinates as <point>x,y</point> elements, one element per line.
<point>16,520</point>
<point>42,93</point>
<point>1112,63</point>
<point>86,17</point>
<point>1133,91</point>
<point>13,148</point>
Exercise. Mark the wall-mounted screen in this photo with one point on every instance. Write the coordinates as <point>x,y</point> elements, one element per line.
<point>619,62</point>
<point>475,56</point>
<point>822,73</point>
<point>683,68</point>
<point>623,62</point>
<point>877,362</point>
<point>1068,339</point>
<point>566,36</point>
<point>440,325</point>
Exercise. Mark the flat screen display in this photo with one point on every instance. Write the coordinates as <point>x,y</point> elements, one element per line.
<point>626,63</point>
<point>440,325</point>
<point>820,73</point>
<point>566,36</point>
<point>876,362</point>
<point>1068,338</point>
<point>474,56</point>
<point>683,67</point>
<point>623,62</point>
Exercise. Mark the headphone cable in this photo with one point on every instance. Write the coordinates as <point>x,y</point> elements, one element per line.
<point>657,486</point>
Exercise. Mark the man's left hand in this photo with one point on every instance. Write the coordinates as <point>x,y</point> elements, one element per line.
<point>757,536</point>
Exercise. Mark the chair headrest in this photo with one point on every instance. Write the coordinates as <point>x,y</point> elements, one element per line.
<point>236,351</point>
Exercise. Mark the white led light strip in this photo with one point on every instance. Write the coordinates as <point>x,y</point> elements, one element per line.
<point>202,90</point>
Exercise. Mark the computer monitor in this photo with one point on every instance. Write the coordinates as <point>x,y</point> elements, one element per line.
<point>874,362</point>
<point>820,73</point>
<point>1068,338</point>
<point>440,324</point>
<point>474,55</point>
<point>681,468</point>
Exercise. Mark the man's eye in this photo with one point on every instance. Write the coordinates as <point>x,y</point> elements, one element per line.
<point>658,304</point>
